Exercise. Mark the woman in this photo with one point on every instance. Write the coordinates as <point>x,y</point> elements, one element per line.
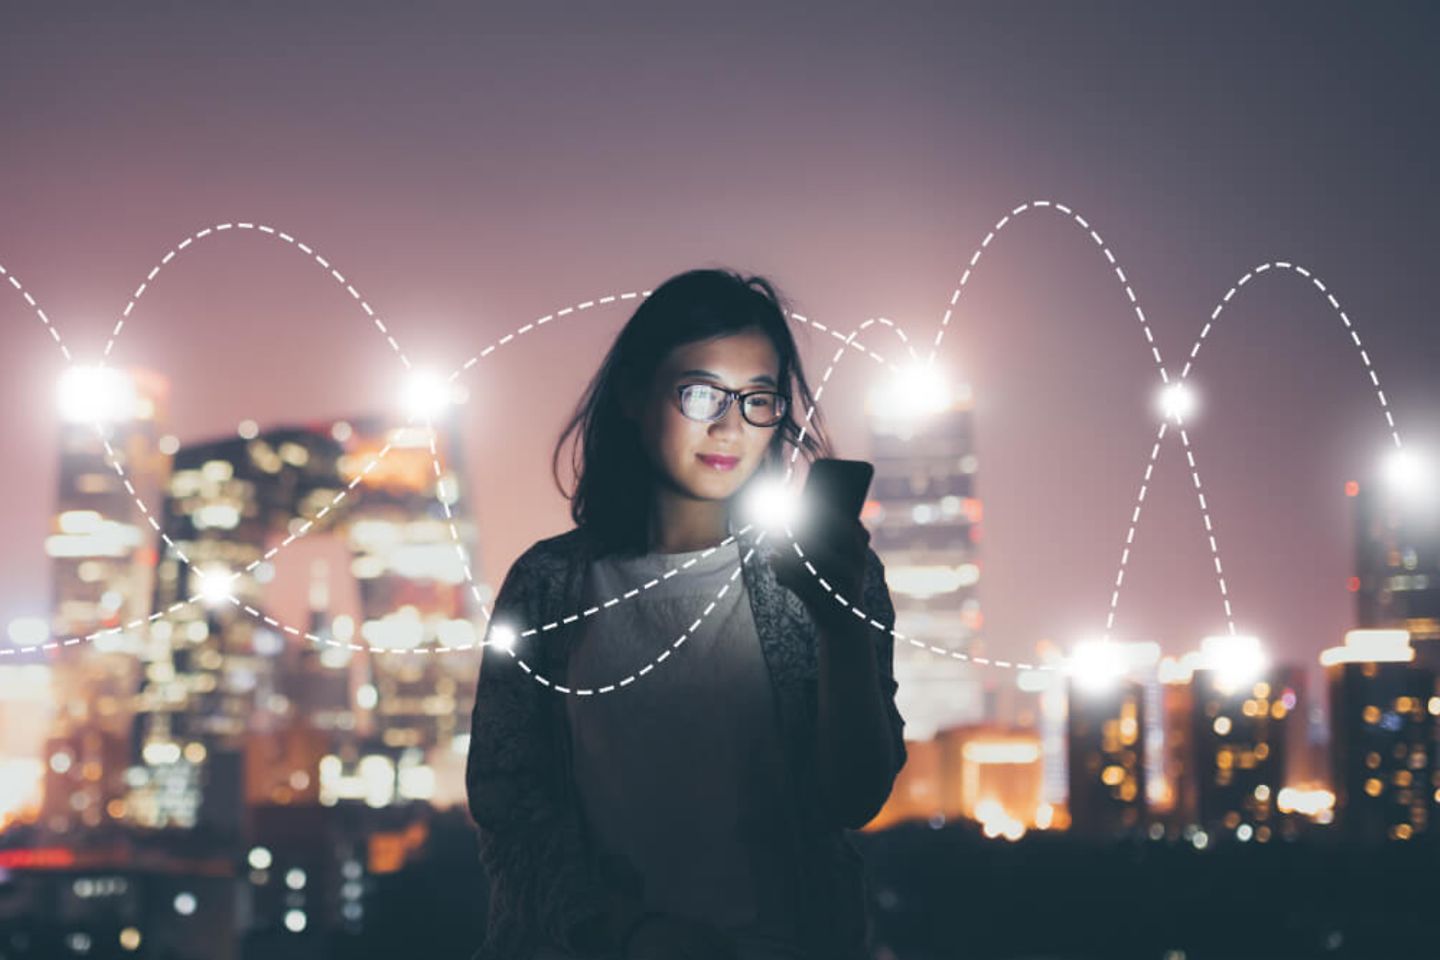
<point>670,774</point>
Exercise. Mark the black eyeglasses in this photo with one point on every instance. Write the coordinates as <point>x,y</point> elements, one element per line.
<point>707,403</point>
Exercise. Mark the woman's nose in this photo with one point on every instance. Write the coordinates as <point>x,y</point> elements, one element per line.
<point>728,422</point>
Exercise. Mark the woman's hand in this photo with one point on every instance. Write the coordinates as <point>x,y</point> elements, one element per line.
<point>670,937</point>
<point>837,549</point>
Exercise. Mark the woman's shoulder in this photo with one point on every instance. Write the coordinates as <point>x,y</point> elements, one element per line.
<point>548,555</point>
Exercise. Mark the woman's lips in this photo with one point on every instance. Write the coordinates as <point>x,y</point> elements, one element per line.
<point>719,463</point>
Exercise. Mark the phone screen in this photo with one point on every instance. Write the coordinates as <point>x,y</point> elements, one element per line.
<point>837,488</point>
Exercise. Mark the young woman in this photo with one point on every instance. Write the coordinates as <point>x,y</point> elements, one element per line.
<point>669,773</point>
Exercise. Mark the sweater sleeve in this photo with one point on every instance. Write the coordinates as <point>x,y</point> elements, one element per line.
<point>876,599</point>
<point>530,841</point>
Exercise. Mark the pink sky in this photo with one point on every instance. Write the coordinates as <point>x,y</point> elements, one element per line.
<point>469,176</point>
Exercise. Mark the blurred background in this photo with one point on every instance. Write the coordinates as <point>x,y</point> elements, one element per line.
<point>1167,650</point>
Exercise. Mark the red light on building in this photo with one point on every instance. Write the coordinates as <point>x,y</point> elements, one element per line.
<point>36,857</point>
<point>1353,584</point>
<point>1351,488</point>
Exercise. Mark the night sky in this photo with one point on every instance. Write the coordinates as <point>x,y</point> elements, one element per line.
<point>470,171</point>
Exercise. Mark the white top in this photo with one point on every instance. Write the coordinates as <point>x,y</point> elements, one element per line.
<point>680,770</point>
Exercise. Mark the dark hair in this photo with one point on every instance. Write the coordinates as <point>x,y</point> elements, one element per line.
<point>614,480</point>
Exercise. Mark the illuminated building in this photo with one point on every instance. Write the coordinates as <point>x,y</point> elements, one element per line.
<point>1048,686</point>
<point>1175,797</point>
<point>991,775</point>
<point>925,519</point>
<point>1240,733</point>
<point>212,703</point>
<point>24,696</point>
<point>1106,761</point>
<point>1397,561</point>
<point>412,594</point>
<point>1107,700</point>
<point>101,564</point>
<point>1384,718</point>
<point>240,708</point>
<point>107,900</point>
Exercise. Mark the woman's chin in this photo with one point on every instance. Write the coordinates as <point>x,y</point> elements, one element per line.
<point>715,484</point>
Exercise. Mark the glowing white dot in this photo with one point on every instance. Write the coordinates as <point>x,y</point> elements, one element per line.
<point>1412,475</point>
<point>1177,401</point>
<point>185,904</point>
<point>772,504</point>
<point>169,444</point>
<point>295,878</point>
<point>502,637</point>
<point>89,394</point>
<point>260,858</point>
<point>426,394</point>
<point>215,586</point>
<point>248,429</point>
<point>294,920</point>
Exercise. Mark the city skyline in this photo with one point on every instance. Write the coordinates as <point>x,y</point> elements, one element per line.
<point>1128,306</point>
<point>1063,380</point>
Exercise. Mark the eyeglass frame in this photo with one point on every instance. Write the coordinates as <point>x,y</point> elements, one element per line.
<point>730,397</point>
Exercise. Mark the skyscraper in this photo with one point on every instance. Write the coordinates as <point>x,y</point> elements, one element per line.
<point>1384,718</point>
<point>925,519</point>
<point>1397,561</point>
<point>102,563</point>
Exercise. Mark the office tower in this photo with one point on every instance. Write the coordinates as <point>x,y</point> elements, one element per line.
<point>1397,561</point>
<point>240,709</point>
<point>413,596</point>
<point>1175,798</point>
<point>925,521</point>
<point>1240,732</point>
<point>1384,718</point>
<point>212,694</point>
<point>1105,724</point>
<point>1107,772</point>
<point>102,562</point>
<point>1048,686</point>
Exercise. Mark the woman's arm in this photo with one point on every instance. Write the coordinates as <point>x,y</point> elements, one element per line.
<point>860,733</point>
<point>530,843</point>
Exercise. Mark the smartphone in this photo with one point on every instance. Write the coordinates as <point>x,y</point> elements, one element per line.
<point>837,488</point>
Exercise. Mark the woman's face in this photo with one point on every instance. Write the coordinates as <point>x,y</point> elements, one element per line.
<point>685,450</point>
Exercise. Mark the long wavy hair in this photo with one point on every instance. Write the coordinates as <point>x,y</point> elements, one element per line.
<point>614,480</point>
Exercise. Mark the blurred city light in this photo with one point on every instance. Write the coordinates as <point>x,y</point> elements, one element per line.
<point>1371,646</point>
<point>1235,661</point>
<point>1317,803</point>
<point>1096,665</point>
<point>28,631</point>
<point>918,390</point>
<point>89,394</point>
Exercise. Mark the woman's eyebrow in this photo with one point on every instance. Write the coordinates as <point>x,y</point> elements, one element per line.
<point>763,378</point>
